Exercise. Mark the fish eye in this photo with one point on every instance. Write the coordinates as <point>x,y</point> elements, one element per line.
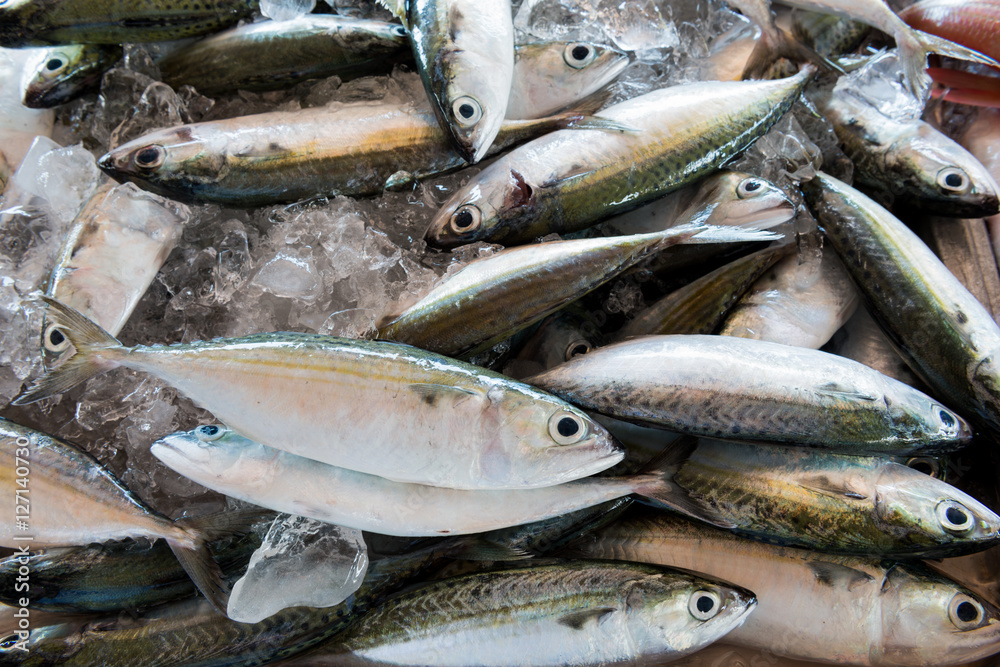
<point>10,640</point>
<point>54,340</point>
<point>926,465</point>
<point>466,219</point>
<point>150,157</point>
<point>966,612</point>
<point>466,111</point>
<point>567,428</point>
<point>953,179</point>
<point>749,187</point>
<point>208,432</point>
<point>54,64</point>
<point>954,516</point>
<point>576,348</point>
<point>704,605</point>
<point>579,55</point>
<point>401,31</point>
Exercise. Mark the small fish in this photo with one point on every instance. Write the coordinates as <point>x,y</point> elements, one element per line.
<point>909,161</point>
<point>802,301</point>
<point>471,311</point>
<point>278,54</point>
<point>65,72</point>
<point>946,336</point>
<point>465,55</point>
<point>382,408</point>
<point>566,182</point>
<point>813,606</point>
<point>550,76</point>
<point>576,613</point>
<point>566,334</point>
<point>74,500</point>
<point>117,244</point>
<point>48,22</point>
<point>745,389</point>
<point>223,461</point>
<point>287,156</point>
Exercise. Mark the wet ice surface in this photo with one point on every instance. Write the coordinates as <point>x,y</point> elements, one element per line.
<point>301,562</point>
<point>880,83</point>
<point>285,10</point>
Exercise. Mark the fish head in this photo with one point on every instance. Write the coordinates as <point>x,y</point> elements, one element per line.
<point>472,104</point>
<point>929,619</point>
<point>920,419</point>
<point>45,645</point>
<point>59,72</point>
<point>682,612</point>
<point>213,453</point>
<point>950,180</point>
<point>538,440</point>
<point>933,517</point>
<point>174,162</point>
<point>744,200</point>
<point>491,205</point>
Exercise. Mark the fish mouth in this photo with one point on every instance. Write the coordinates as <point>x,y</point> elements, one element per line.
<point>765,218</point>
<point>605,450</point>
<point>176,452</point>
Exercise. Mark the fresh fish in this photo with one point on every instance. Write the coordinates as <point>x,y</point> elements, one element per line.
<point>949,339</point>
<point>278,54</point>
<point>63,73</point>
<point>972,23</point>
<point>568,181</point>
<point>465,55</point>
<point>45,22</point>
<point>70,499</point>
<point>723,198</point>
<point>113,576</point>
<point>382,408</point>
<point>863,341</point>
<point>913,45</point>
<point>117,244</point>
<point>287,156</point>
<point>223,461</point>
<point>802,301</point>
<point>909,160</point>
<point>701,306</point>
<point>568,333</point>
<point>471,310</point>
<point>576,613</point>
<point>550,76</point>
<point>815,606</point>
<point>746,389</point>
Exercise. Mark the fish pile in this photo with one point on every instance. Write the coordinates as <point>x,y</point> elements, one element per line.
<point>648,333</point>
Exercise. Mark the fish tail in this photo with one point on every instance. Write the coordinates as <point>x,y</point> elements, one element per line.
<point>656,487</point>
<point>190,542</point>
<point>914,45</point>
<point>88,341</point>
<point>944,47</point>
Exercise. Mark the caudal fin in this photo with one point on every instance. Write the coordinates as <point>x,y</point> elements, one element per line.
<point>914,45</point>
<point>87,339</point>
<point>196,559</point>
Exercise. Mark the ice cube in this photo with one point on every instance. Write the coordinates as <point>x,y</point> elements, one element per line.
<point>301,562</point>
<point>881,83</point>
<point>285,10</point>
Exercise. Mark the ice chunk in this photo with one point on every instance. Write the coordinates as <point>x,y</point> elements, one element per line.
<point>301,563</point>
<point>633,26</point>
<point>881,83</point>
<point>285,10</point>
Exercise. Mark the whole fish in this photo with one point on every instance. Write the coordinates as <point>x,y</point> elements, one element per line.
<point>64,72</point>
<point>568,181</point>
<point>286,156</point>
<point>117,244</point>
<point>67,498</point>
<point>946,336</point>
<point>812,606</point>
<point>701,306</point>
<point>834,503</point>
<point>550,76</point>
<point>471,310</point>
<point>465,55</point>
<point>576,613</point>
<point>382,408</point>
<point>803,300</point>
<point>276,54</point>
<point>112,576</point>
<point>223,461</point>
<point>910,160</point>
<point>723,198</point>
<point>746,389</point>
<point>913,45</point>
<point>43,22</point>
